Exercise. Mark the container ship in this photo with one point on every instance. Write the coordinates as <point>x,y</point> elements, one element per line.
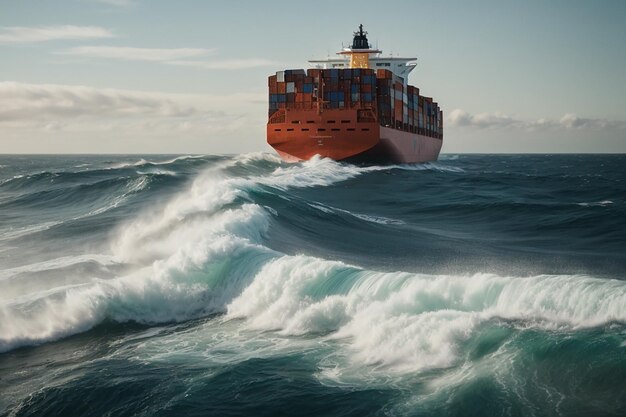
<point>357,107</point>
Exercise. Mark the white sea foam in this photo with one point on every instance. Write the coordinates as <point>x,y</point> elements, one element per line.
<point>193,255</point>
<point>14,233</point>
<point>411,322</point>
<point>197,278</point>
<point>7,180</point>
<point>57,263</point>
<point>247,158</point>
<point>143,161</point>
<point>132,187</point>
<point>427,166</point>
<point>201,253</point>
<point>368,218</point>
<point>157,172</point>
<point>596,203</point>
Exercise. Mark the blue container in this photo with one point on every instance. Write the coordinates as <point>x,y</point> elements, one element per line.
<point>307,88</point>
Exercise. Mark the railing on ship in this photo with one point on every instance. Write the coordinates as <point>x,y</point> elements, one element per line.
<point>278,116</point>
<point>364,114</point>
<point>326,105</point>
<point>406,127</point>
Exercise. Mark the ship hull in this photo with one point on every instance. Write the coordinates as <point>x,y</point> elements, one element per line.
<point>358,142</point>
<point>395,146</point>
<point>337,134</point>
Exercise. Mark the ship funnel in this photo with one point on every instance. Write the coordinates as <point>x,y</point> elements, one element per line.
<point>360,39</point>
<point>360,50</point>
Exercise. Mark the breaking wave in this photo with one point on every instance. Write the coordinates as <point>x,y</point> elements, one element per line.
<point>204,252</point>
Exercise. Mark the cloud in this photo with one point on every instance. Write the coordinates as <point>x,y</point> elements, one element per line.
<point>135,54</point>
<point>117,3</point>
<point>81,108</point>
<point>21,34</point>
<point>173,56</point>
<point>53,118</point>
<point>461,118</point>
<point>226,64</point>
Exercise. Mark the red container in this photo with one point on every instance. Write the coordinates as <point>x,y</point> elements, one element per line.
<point>384,74</point>
<point>314,72</point>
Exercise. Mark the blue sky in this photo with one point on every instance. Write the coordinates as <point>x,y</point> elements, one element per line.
<point>190,76</point>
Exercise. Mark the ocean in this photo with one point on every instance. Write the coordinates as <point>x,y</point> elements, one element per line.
<point>478,285</point>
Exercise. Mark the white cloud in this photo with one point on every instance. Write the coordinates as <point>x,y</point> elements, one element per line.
<point>52,118</point>
<point>498,120</point>
<point>226,64</point>
<point>21,34</point>
<point>135,54</point>
<point>47,106</point>
<point>117,3</point>
<point>172,56</point>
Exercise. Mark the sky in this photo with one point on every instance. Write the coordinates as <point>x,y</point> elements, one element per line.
<point>190,76</point>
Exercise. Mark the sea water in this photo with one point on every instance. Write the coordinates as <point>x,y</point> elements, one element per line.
<point>241,285</point>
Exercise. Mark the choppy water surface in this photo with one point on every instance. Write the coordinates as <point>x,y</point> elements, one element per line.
<point>230,285</point>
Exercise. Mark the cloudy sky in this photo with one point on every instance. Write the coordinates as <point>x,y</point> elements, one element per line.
<point>156,76</point>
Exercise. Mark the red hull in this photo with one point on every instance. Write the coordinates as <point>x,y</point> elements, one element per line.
<point>339,134</point>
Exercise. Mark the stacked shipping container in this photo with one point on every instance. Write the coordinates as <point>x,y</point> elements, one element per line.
<point>346,88</point>
<point>401,107</point>
<point>398,105</point>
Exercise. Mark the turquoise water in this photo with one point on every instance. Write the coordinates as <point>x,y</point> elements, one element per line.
<point>240,285</point>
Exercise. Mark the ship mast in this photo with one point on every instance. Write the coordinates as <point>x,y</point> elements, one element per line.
<point>360,51</point>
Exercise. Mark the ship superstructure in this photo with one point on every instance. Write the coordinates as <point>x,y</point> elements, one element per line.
<point>358,106</point>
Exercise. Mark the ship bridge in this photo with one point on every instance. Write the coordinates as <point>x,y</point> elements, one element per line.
<point>362,55</point>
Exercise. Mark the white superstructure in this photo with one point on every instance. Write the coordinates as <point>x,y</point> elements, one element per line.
<point>362,55</point>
